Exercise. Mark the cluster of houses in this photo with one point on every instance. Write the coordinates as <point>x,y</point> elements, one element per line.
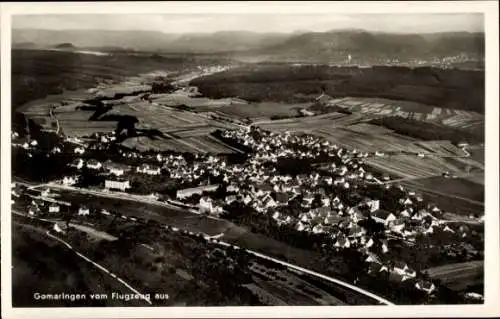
<point>319,193</point>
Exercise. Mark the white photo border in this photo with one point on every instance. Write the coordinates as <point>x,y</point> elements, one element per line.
<point>491,306</point>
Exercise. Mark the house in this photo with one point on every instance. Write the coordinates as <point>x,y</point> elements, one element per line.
<point>375,268</point>
<point>187,192</point>
<point>57,228</point>
<point>232,188</point>
<point>374,205</point>
<point>305,112</point>
<point>318,229</point>
<point>282,198</point>
<point>206,205</point>
<point>385,247</point>
<point>426,286</point>
<point>69,180</point>
<point>474,296</point>
<point>406,201</point>
<point>372,258</point>
<point>54,208</point>
<point>342,242</point>
<point>94,164</point>
<point>230,199</point>
<point>401,268</point>
<point>79,150</point>
<point>33,210</point>
<point>405,213</point>
<point>115,169</point>
<point>45,192</point>
<point>269,202</point>
<point>383,217</point>
<point>78,163</point>
<point>117,184</point>
<point>369,243</point>
<point>397,226</point>
<point>83,211</point>
<point>356,231</point>
<point>448,229</point>
<point>247,199</point>
<point>277,215</point>
<point>148,169</point>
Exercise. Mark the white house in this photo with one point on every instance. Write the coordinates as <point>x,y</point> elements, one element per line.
<point>45,192</point>
<point>383,217</point>
<point>33,210</point>
<point>205,205</point>
<point>57,228</point>
<point>94,164</point>
<point>374,205</point>
<point>426,286</point>
<point>54,208</point>
<point>83,211</point>
<point>401,268</point>
<point>69,180</point>
<point>78,163</point>
<point>229,199</point>
<point>116,184</point>
<point>149,169</point>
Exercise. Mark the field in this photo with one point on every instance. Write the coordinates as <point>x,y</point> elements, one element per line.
<point>307,124</point>
<point>450,203</point>
<point>196,144</point>
<point>459,277</point>
<point>459,119</point>
<point>262,111</point>
<point>453,186</point>
<point>411,166</point>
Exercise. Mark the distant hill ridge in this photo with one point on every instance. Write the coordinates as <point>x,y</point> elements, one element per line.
<point>303,44</point>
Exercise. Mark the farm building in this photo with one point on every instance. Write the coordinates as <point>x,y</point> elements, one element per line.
<point>117,184</point>
<point>183,193</point>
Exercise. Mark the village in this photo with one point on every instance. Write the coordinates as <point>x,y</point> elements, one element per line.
<point>299,181</point>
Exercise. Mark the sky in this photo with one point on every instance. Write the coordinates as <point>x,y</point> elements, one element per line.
<point>286,23</point>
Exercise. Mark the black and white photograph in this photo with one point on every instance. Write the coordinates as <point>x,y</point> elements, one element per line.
<point>197,158</point>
